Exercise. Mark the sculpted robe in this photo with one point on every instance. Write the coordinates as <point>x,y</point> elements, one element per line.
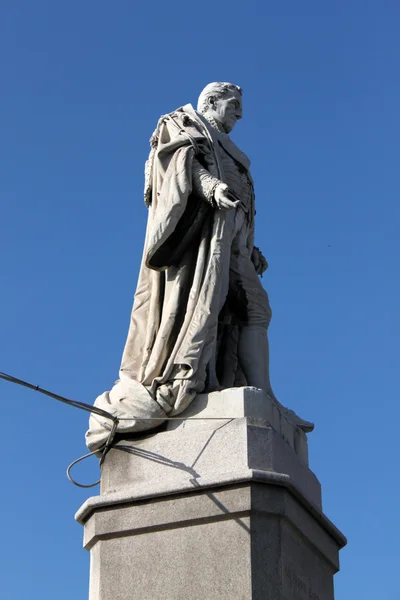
<point>183,333</point>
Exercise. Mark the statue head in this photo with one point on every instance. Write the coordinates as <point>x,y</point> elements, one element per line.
<point>223,102</point>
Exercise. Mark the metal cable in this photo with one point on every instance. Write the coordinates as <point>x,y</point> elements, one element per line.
<point>102,413</point>
<point>81,485</point>
<point>81,406</point>
<point>75,403</point>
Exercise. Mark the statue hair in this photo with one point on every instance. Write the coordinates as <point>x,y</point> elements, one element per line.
<point>217,89</point>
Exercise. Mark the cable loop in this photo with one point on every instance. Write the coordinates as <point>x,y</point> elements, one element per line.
<point>72,480</point>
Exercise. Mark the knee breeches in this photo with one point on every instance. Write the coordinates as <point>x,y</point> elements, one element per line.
<point>247,298</point>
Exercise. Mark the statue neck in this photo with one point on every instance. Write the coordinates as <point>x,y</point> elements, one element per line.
<point>214,124</point>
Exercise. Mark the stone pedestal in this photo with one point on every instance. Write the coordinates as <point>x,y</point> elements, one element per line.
<point>220,508</point>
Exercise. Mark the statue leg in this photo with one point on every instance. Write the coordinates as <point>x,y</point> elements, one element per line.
<point>253,356</point>
<point>254,314</point>
<point>250,304</point>
<point>254,359</point>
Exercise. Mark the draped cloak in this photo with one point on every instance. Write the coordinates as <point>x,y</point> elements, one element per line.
<point>182,339</point>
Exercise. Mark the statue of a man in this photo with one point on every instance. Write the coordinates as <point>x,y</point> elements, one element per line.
<point>200,315</point>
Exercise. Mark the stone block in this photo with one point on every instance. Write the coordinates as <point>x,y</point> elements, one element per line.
<point>249,402</point>
<point>248,541</point>
<point>210,450</point>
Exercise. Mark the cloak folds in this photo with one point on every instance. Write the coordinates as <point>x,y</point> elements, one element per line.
<point>175,344</point>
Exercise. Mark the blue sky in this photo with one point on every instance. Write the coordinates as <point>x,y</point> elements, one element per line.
<point>83,84</point>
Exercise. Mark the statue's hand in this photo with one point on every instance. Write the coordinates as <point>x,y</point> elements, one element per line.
<point>222,197</point>
<point>258,260</point>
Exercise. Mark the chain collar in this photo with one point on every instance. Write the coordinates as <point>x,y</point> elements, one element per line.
<point>214,124</point>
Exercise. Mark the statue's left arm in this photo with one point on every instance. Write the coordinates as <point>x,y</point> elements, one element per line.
<point>259,261</point>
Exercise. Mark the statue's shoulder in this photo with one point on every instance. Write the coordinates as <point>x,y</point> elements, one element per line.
<point>184,118</point>
<point>170,127</point>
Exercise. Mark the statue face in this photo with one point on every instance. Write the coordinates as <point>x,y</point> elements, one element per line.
<point>227,110</point>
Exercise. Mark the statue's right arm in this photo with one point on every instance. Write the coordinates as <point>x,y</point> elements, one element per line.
<point>203,183</point>
<point>211,189</point>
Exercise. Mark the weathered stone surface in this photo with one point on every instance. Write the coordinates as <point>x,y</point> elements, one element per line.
<point>249,541</point>
<point>234,434</point>
<point>211,509</point>
<point>249,402</point>
<point>210,452</point>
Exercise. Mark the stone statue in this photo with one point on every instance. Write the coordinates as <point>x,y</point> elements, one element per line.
<point>200,314</point>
